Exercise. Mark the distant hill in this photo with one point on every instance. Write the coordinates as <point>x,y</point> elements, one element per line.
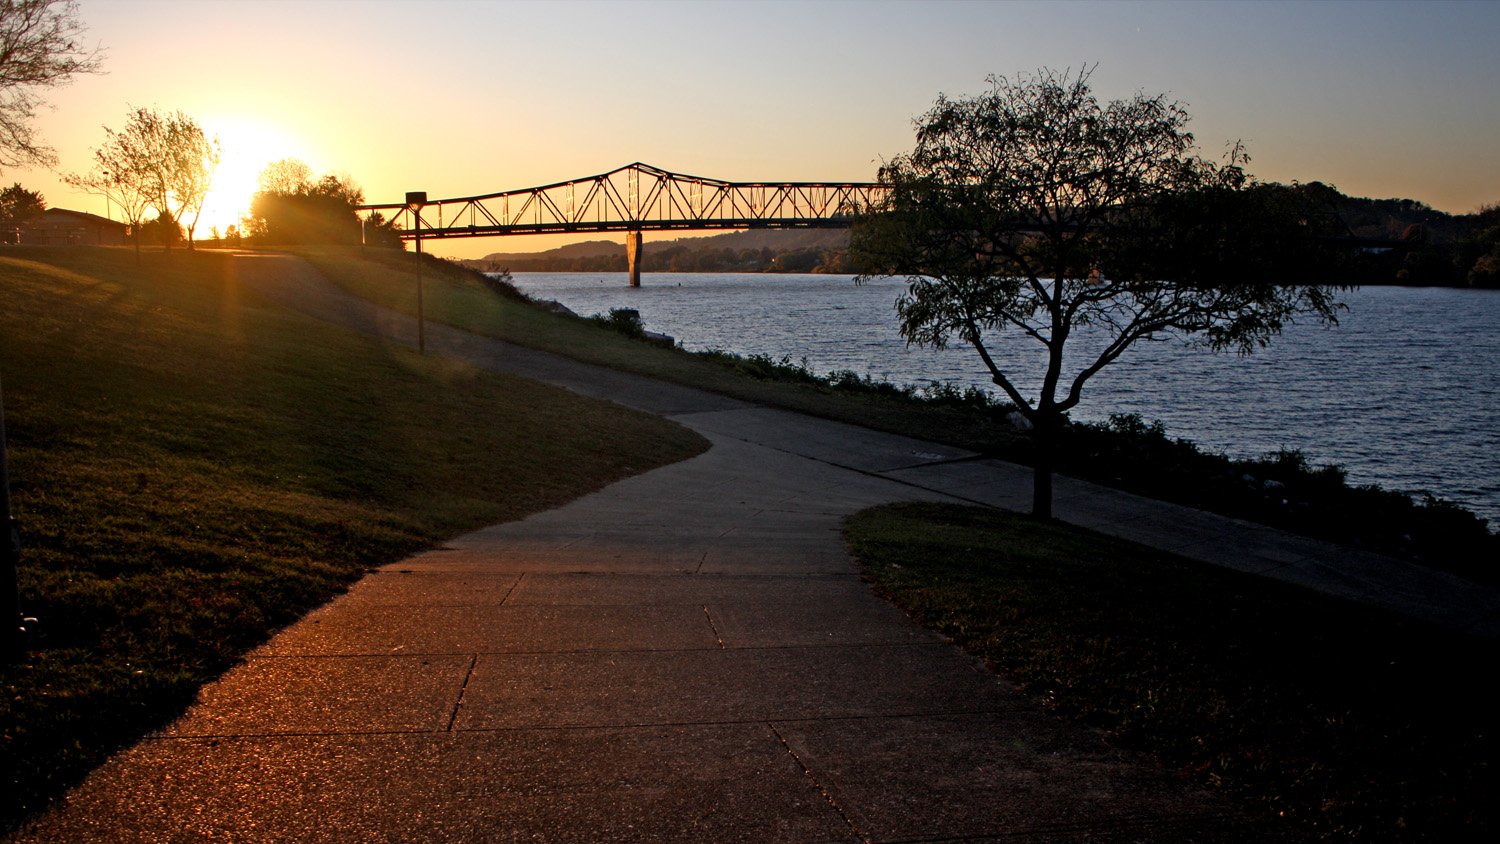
<point>587,249</point>
<point>768,250</point>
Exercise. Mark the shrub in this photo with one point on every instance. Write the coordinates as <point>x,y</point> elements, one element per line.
<point>626,321</point>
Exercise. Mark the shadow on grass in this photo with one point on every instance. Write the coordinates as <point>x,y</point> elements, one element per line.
<point>1350,722</point>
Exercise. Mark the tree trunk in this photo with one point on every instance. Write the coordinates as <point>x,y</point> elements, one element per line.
<point>1045,442</point>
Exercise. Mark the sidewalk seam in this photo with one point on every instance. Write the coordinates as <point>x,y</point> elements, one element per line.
<point>718,638</point>
<point>827,797</point>
<point>458,704</point>
<point>539,728</point>
<point>512,589</point>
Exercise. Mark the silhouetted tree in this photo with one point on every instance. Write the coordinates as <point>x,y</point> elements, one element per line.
<point>162,230</point>
<point>160,161</point>
<point>188,172</point>
<point>382,233</point>
<point>17,204</point>
<point>1034,209</point>
<point>287,175</point>
<point>172,159</point>
<point>40,48</point>
<point>291,208</point>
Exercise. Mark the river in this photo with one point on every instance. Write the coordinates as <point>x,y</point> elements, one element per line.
<point>1404,392</point>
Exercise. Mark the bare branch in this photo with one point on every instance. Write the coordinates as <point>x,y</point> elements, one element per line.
<point>40,47</point>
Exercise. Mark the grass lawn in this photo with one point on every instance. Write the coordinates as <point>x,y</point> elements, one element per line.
<point>1346,720</point>
<point>194,469</point>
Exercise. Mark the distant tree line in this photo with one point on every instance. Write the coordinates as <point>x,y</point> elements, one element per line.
<point>1430,248</point>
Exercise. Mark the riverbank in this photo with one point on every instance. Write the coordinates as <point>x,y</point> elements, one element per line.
<point>1403,393</point>
<point>1282,489</point>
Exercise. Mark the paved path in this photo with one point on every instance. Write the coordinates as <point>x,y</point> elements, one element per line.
<point>687,655</point>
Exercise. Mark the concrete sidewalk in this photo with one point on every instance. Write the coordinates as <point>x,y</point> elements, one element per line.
<point>687,655</point>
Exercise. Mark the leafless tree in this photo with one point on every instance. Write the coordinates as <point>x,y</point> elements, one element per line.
<point>160,161</point>
<point>41,47</point>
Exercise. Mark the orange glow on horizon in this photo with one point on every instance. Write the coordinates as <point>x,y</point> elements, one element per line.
<point>246,147</point>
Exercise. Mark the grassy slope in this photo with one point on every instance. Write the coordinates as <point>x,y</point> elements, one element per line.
<point>1351,722</point>
<point>455,297</point>
<point>193,470</point>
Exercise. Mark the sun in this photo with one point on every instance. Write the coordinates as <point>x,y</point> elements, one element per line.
<point>246,147</point>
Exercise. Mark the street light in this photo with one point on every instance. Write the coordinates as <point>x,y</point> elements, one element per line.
<point>415,200</point>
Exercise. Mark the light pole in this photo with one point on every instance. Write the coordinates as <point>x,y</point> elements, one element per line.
<point>415,200</point>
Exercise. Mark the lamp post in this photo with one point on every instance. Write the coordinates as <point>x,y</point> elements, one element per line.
<point>415,200</point>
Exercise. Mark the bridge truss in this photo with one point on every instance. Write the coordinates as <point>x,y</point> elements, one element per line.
<point>636,198</point>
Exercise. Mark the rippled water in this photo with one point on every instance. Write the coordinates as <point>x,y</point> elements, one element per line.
<point>1405,392</point>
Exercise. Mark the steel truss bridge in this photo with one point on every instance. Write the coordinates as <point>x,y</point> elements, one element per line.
<point>633,199</point>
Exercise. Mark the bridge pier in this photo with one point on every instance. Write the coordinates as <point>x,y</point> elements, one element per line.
<point>633,256</point>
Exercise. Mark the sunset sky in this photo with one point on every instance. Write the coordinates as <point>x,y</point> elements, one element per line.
<point>460,98</point>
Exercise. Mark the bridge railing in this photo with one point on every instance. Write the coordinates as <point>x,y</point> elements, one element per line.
<point>638,197</point>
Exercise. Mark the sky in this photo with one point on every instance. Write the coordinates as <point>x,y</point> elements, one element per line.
<point>1382,99</point>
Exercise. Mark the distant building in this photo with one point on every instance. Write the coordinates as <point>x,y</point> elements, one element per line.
<point>61,227</point>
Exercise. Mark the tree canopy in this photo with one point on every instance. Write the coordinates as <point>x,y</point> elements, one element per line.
<point>1481,249</point>
<point>293,207</point>
<point>160,161</point>
<point>1034,209</point>
<point>40,47</point>
<point>170,157</point>
<point>17,204</point>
